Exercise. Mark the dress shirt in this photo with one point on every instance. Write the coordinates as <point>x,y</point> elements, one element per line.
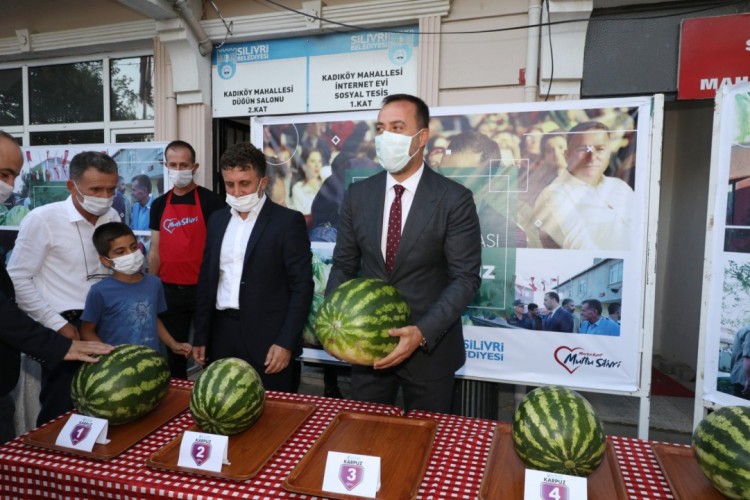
<point>232,256</point>
<point>604,326</point>
<point>54,262</point>
<point>140,215</point>
<point>407,197</point>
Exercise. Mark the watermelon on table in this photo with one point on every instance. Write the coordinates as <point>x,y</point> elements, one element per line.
<point>228,397</point>
<point>556,430</point>
<point>353,321</point>
<point>722,449</point>
<point>124,385</point>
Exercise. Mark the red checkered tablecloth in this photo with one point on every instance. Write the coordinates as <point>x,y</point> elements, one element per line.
<point>462,446</point>
<point>455,468</point>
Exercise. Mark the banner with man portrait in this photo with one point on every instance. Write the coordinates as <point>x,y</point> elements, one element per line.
<point>562,191</point>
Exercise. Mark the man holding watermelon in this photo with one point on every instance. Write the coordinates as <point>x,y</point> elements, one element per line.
<point>419,231</point>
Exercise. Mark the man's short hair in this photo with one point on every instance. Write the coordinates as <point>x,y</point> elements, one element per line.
<point>474,142</point>
<point>593,304</point>
<point>554,296</point>
<point>91,159</point>
<point>180,145</point>
<point>545,139</point>
<point>423,111</point>
<point>244,156</point>
<point>105,234</point>
<point>614,308</point>
<point>567,301</point>
<point>532,306</point>
<point>142,180</point>
<point>585,127</point>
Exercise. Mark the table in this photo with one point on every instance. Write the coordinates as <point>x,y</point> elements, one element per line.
<point>454,471</point>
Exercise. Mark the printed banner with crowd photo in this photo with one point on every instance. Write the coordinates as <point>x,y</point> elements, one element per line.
<point>561,190</point>
<point>46,171</point>
<point>726,318</point>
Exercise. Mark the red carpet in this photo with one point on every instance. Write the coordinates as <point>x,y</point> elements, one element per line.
<point>664,385</point>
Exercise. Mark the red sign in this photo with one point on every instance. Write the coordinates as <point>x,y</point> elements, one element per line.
<point>714,51</point>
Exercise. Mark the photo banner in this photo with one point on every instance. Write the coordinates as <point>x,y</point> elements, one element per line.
<point>725,319</point>
<point>561,191</point>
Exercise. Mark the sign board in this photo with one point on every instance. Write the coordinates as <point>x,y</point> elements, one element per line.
<point>337,72</point>
<point>714,52</point>
<point>725,319</point>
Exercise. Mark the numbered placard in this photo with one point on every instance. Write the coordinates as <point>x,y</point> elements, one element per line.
<point>81,432</point>
<point>352,474</point>
<point>203,451</point>
<point>542,485</point>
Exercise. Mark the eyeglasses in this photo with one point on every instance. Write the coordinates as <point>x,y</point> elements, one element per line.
<point>89,275</point>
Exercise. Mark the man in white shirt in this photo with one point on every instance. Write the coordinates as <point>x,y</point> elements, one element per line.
<point>255,285</point>
<point>582,208</point>
<point>54,263</point>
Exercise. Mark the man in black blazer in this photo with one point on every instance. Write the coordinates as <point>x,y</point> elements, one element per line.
<point>559,319</point>
<point>436,265</point>
<point>19,332</point>
<point>255,285</point>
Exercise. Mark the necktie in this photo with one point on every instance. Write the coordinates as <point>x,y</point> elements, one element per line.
<point>394,229</point>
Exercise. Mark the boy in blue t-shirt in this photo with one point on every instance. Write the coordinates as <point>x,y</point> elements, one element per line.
<point>124,308</point>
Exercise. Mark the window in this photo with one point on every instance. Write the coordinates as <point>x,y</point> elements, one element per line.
<point>11,97</point>
<point>615,273</point>
<point>582,287</point>
<point>86,101</point>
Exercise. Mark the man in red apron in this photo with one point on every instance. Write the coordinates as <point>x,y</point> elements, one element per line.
<point>178,235</point>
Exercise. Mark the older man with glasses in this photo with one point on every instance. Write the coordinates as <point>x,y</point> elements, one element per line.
<point>54,263</point>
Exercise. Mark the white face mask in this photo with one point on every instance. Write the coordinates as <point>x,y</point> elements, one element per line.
<point>180,178</point>
<point>93,205</point>
<point>128,264</point>
<point>244,204</point>
<point>5,191</point>
<point>393,150</point>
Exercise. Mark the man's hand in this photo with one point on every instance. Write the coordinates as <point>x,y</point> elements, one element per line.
<point>81,350</point>
<point>199,355</point>
<point>277,359</point>
<point>182,349</point>
<point>409,339</point>
<point>69,331</point>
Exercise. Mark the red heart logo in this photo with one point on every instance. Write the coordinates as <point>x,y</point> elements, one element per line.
<point>570,351</point>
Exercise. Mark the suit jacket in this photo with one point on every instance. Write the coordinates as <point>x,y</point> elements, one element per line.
<point>276,288</point>
<point>560,321</point>
<point>21,333</point>
<point>436,268</point>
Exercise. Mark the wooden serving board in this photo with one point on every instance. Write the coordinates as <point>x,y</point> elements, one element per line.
<point>249,450</point>
<point>683,474</point>
<point>504,473</point>
<point>403,445</point>
<point>121,437</point>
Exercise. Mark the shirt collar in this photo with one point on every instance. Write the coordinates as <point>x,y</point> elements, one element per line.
<point>73,214</point>
<point>409,184</point>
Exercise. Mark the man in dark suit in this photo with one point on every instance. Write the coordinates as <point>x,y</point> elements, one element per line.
<point>19,332</point>
<point>559,319</point>
<point>431,253</point>
<point>255,285</point>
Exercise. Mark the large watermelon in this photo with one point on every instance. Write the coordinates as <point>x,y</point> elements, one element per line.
<point>354,320</point>
<point>228,397</point>
<point>556,430</point>
<point>722,449</point>
<point>123,386</point>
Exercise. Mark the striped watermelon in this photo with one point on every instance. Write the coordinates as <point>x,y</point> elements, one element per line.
<point>354,320</point>
<point>556,430</point>
<point>228,397</point>
<point>123,386</point>
<point>722,449</point>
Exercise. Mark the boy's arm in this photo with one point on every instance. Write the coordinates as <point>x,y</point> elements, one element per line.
<point>181,348</point>
<point>88,331</point>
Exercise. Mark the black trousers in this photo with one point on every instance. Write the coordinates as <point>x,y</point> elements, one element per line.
<point>55,394</point>
<point>376,386</point>
<point>230,339</point>
<point>177,320</point>
<point>7,422</point>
